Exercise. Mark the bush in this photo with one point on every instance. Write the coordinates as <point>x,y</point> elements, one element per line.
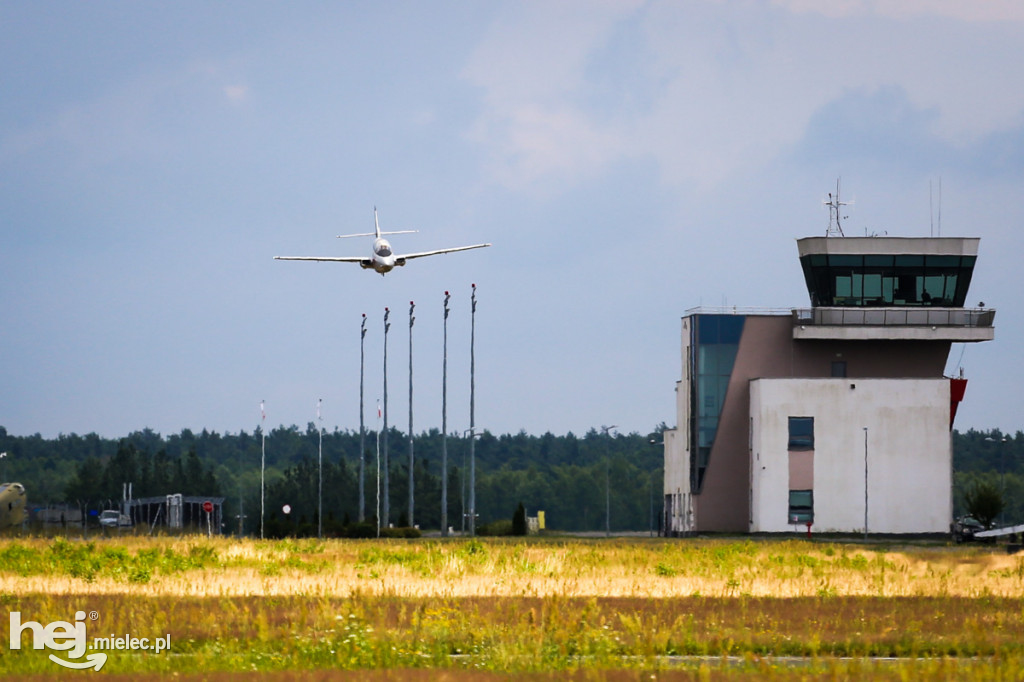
<point>496,528</point>
<point>984,502</point>
<point>401,532</point>
<point>519,521</point>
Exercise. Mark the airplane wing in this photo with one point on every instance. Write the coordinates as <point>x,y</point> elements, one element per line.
<point>409,256</point>
<point>333,259</point>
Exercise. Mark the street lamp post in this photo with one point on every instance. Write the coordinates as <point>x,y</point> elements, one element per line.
<point>607,485</point>
<point>444,425</point>
<point>1002,475</point>
<point>320,473</point>
<point>865,483</point>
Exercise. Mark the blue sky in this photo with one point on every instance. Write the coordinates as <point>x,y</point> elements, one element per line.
<point>628,160</point>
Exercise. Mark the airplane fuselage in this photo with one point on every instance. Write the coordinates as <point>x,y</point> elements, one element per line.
<point>383,260</point>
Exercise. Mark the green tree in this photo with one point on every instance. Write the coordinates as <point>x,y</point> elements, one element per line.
<point>984,502</point>
<point>519,520</point>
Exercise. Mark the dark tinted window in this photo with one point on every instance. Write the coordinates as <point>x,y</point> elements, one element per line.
<point>801,433</point>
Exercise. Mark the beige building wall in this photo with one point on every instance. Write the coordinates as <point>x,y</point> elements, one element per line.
<point>909,453</point>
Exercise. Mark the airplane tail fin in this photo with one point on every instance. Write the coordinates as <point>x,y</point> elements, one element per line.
<point>377,232</point>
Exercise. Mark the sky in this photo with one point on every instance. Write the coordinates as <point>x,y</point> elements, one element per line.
<point>628,161</point>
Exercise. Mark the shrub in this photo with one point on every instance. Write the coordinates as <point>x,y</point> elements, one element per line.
<point>984,502</point>
<point>495,528</point>
<point>519,521</point>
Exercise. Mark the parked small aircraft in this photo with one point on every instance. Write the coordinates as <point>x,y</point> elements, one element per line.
<point>383,259</point>
<point>12,504</point>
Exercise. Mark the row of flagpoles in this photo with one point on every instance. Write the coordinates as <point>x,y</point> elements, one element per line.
<point>383,414</point>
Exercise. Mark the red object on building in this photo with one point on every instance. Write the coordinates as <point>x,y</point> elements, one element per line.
<point>957,388</point>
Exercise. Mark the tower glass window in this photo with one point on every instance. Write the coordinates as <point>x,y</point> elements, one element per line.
<point>887,280</point>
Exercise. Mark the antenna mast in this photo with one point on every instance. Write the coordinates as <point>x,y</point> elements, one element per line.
<point>835,217</point>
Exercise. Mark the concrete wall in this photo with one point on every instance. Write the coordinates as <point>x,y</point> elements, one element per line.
<point>677,500</point>
<point>909,453</point>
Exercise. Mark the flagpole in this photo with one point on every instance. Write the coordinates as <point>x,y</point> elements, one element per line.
<point>472,421</point>
<point>386,503</point>
<point>362,429</point>
<point>444,426</point>
<point>263,461</point>
<point>378,469</point>
<point>320,473</point>
<point>412,476</point>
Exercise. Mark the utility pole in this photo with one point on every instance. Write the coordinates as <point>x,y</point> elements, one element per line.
<point>444,425</point>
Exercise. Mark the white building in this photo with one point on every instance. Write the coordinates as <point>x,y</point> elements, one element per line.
<point>833,416</point>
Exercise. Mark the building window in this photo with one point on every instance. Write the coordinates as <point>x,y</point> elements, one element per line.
<point>839,368</point>
<point>801,507</point>
<point>887,280</point>
<point>801,433</point>
<point>714,343</point>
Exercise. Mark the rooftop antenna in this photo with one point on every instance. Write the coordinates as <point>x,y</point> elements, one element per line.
<point>931,209</point>
<point>835,217</point>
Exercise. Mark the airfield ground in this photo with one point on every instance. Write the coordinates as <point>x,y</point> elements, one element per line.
<point>547,608</point>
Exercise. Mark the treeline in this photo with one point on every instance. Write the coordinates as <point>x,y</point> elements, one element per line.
<point>993,458</point>
<point>581,483</point>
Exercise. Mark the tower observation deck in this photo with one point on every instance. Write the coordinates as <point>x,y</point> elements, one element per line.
<point>893,288</point>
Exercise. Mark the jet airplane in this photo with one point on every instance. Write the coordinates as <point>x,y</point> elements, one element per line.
<point>382,259</point>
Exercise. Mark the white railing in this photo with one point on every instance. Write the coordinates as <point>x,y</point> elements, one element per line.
<point>895,317</point>
<point>736,310</point>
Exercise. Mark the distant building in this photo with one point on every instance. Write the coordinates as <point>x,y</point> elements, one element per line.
<point>177,512</point>
<point>827,414</point>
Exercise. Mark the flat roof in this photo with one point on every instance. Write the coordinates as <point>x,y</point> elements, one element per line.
<point>896,246</point>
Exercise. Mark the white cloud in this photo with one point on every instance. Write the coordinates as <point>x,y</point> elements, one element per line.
<point>985,11</point>
<point>725,87</point>
<point>531,67</point>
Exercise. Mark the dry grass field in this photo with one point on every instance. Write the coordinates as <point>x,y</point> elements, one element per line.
<point>515,609</point>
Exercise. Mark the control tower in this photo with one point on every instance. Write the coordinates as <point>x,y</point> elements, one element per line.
<point>834,417</point>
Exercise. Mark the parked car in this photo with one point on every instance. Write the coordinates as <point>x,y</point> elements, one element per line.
<point>964,528</point>
<point>111,518</point>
